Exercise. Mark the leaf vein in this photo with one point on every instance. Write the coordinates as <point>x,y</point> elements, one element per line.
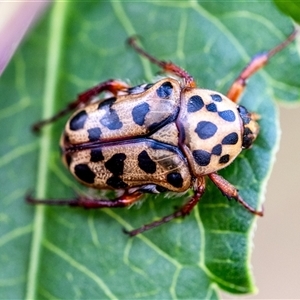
<point>82,268</point>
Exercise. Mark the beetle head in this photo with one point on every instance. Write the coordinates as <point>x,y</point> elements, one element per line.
<point>251,127</point>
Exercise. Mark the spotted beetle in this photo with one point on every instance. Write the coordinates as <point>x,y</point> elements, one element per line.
<point>158,137</point>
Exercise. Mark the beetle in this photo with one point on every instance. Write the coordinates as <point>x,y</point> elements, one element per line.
<point>167,136</point>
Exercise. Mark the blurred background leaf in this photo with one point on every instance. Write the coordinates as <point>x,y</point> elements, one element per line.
<point>290,8</point>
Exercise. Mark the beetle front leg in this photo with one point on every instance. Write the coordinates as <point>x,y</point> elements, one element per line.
<point>182,212</point>
<point>231,192</point>
<point>89,203</point>
<point>257,62</point>
<point>113,86</point>
<point>168,67</point>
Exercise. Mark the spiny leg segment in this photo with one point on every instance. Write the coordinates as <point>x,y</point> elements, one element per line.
<point>124,201</point>
<point>231,192</point>
<point>89,203</point>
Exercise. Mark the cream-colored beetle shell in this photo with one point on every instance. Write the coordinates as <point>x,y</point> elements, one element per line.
<point>161,135</point>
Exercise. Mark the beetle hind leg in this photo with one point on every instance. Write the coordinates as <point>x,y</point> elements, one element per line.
<point>88,203</point>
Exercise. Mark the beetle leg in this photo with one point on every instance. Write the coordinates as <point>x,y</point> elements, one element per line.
<point>113,86</point>
<point>231,192</point>
<point>86,202</point>
<point>257,62</point>
<point>182,212</point>
<point>168,67</point>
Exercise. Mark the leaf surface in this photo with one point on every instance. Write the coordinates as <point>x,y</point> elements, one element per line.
<point>59,252</point>
<point>290,8</point>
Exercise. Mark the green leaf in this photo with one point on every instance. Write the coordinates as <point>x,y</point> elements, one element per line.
<point>59,252</point>
<point>290,8</point>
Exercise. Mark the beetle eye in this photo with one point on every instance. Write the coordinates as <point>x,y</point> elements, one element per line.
<point>251,127</point>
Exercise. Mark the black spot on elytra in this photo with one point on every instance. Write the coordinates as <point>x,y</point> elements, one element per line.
<point>94,134</point>
<point>195,103</point>
<point>216,98</point>
<point>175,179</point>
<point>116,182</point>
<point>116,164</point>
<point>84,173</point>
<point>139,113</point>
<point>206,129</point>
<point>165,90</point>
<point>201,157</point>
<point>111,119</point>
<point>230,139</point>
<point>217,150</point>
<point>78,121</point>
<point>96,155</point>
<point>146,163</point>
<point>224,159</point>
<point>107,103</point>
<point>227,115</point>
<point>211,107</point>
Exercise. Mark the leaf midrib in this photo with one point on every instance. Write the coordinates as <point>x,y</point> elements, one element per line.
<point>56,29</point>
